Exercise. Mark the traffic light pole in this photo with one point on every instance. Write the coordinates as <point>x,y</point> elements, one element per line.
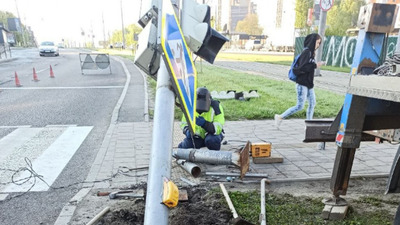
<point>161,148</point>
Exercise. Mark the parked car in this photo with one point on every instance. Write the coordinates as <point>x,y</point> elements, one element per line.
<point>118,45</point>
<point>48,48</point>
<point>253,45</point>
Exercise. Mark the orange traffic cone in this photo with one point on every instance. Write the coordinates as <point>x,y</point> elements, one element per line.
<point>35,78</point>
<point>17,80</point>
<point>51,72</point>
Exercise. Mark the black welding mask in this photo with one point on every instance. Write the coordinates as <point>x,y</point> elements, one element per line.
<point>203,100</point>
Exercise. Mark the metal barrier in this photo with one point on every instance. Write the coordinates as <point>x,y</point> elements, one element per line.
<point>101,61</point>
<point>5,51</point>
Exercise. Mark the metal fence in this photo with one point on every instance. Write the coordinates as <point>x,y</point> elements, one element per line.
<point>5,51</point>
<point>339,51</point>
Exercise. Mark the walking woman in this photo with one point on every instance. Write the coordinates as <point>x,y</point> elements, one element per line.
<point>305,79</point>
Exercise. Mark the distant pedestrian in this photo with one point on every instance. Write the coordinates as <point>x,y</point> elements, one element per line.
<point>305,79</point>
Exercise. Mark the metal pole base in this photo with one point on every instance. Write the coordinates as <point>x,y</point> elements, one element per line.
<point>335,208</point>
<point>335,201</point>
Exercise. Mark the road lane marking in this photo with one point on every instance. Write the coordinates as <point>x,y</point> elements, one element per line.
<point>53,160</point>
<point>21,126</point>
<point>60,88</point>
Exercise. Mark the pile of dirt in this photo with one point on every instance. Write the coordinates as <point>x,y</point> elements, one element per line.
<point>127,212</point>
<point>207,206</point>
<point>202,208</point>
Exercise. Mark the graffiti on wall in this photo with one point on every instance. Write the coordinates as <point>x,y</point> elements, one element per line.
<point>339,51</point>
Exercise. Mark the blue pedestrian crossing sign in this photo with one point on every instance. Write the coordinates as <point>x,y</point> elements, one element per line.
<point>180,64</point>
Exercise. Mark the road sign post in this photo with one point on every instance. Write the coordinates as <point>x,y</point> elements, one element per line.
<point>177,70</point>
<point>161,147</point>
<point>325,6</point>
<point>180,63</point>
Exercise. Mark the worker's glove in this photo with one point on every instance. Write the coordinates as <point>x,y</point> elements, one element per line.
<point>200,121</point>
<point>188,134</point>
<point>186,128</point>
<point>186,131</point>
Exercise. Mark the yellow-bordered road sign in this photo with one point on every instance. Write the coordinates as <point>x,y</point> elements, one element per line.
<point>180,64</point>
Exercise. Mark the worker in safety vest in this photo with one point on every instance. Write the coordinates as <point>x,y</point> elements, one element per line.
<point>209,123</point>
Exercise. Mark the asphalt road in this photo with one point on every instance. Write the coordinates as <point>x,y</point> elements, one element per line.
<point>71,111</point>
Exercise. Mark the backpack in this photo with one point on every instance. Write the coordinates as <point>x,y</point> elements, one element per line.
<point>291,75</point>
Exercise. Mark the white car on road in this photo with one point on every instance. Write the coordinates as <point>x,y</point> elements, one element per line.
<point>48,48</point>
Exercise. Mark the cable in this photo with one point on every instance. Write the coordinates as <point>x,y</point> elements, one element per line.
<point>33,175</point>
<point>153,59</point>
<point>259,137</point>
<point>122,170</point>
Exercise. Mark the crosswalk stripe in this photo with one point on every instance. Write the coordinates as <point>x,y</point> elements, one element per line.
<point>53,160</point>
<point>15,139</point>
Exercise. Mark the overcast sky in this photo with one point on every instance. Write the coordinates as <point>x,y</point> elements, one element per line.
<point>57,19</point>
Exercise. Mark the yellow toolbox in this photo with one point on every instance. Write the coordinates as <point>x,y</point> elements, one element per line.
<point>260,150</point>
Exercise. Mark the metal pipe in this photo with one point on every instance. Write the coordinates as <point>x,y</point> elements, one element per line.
<point>188,182</point>
<point>263,220</point>
<point>257,175</point>
<point>189,167</point>
<point>161,148</point>
<point>208,156</point>
<point>161,155</point>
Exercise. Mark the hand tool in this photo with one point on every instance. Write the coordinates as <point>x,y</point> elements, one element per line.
<point>237,220</point>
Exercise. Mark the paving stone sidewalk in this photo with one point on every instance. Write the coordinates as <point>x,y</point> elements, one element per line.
<point>130,146</point>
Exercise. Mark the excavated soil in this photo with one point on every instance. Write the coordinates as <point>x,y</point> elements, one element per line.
<point>206,207</point>
<point>202,208</point>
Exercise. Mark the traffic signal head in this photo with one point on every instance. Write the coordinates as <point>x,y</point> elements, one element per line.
<point>200,37</point>
<point>147,57</point>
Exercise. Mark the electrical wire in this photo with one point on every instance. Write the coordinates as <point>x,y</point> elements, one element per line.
<point>122,170</point>
<point>153,59</point>
<point>254,129</point>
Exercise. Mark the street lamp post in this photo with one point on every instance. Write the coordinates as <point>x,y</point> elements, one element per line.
<point>123,29</point>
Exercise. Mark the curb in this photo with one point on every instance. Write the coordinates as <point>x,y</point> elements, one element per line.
<point>8,60</point>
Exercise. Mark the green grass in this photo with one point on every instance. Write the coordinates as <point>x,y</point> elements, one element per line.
<point>273,59</point>
<point>287,209</point>
<point>375,201</point>
<point>126,53</point>
<point>275,96</point>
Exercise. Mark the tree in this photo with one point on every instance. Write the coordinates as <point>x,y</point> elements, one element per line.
<point>130,31</point>
<point>301,9</point>
<point>342,16</point>
<point>249,25</point>
<point>4,16</point>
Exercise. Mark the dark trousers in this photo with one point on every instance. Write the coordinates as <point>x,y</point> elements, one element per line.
<point>212,142</point>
